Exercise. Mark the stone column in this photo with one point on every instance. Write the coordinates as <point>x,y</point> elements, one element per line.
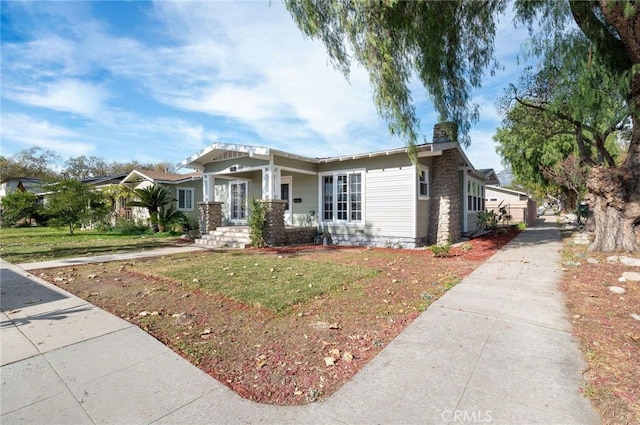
<point>446,198</point>
<point>210,216</point>
<point>276,235</point>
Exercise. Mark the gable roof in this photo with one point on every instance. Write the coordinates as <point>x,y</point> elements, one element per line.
<point>223,151</point>
<point>490,176</point>
<point>104,180</point>
<point>505,190</point>
<point>160,176</point>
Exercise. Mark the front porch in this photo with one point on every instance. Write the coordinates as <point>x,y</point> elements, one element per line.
<point>213,233</point>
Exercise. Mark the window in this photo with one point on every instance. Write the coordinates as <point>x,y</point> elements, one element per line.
<point>475,196</point>
<point>185,199</point>
<point>423,182</point>
<point>342,197</point>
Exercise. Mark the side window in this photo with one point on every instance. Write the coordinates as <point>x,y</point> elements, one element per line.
<point>423,182</point>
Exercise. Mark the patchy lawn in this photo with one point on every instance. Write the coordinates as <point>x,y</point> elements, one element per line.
<point>32,244</point>
<point>609,335</point>
<point>284,327</point>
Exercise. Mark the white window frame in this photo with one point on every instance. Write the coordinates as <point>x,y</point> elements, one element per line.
<point>335,174</point>
<point>475,201</point>
<point>193,194</point>
<point>423,179</point>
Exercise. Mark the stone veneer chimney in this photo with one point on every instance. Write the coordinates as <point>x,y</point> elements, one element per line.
<point>445,132</point>
<point>445,223</point>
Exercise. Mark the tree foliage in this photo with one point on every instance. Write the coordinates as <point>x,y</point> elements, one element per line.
<point>83,167</point>
<point>17,206</point>
<point>33,162</point>
<point>446,45</point>
<point>73,204</point>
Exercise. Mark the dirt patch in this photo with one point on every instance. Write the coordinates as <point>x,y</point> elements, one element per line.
<point>609,335</point>
<point>291,357</point>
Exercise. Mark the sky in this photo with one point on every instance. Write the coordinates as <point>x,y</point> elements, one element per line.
<point>160,81</point>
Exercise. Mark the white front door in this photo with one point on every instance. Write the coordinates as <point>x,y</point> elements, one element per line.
<point>238,202</point>
<point>285,195</point>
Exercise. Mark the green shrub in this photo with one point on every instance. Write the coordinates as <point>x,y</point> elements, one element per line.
<point>440,250</point>
<point>522,225</point>
<point>257,223</point>
<point>131,227</point>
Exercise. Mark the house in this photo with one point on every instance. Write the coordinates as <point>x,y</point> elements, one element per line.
<point>185,188</point>
<point>10,185</point>
<point>369,199</point>
<point>518,205</point>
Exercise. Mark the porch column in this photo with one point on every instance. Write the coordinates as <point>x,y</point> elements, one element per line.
<point>276,234</point>
<point>210,216</point>
<point>208,188</point>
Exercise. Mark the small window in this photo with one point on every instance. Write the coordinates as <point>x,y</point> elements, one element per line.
<point>423,182</point>
<point>185,199</point>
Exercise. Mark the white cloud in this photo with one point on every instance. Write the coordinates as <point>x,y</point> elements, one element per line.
<point>23,129</point>
<point>67,95</point>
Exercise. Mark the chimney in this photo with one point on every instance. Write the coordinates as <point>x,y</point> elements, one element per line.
<point>445,132</point>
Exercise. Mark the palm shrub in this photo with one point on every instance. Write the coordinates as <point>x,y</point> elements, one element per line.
<point>152,198</point>
<point>169,216</point>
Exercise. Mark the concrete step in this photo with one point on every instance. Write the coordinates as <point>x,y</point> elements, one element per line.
<point>217,244</point>
<point>227,237</point>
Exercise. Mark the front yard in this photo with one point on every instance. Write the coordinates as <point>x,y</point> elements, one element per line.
<point>32,244</point>
<point>283,327</point>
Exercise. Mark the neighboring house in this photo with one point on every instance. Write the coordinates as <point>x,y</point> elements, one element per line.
<point>105,183</point>
<point>186,189</point>
<point>371,199</point>
<point>24,184</point>
<point>518,204</point>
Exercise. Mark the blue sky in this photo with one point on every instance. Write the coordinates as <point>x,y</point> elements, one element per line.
<point>159,81</point>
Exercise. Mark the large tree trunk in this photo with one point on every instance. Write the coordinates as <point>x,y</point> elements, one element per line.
<point>614,199</point>
<point>614,193</point>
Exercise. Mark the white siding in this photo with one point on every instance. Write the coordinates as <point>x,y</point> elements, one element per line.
<point>390,202</point>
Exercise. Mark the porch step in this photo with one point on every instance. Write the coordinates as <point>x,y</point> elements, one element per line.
<point>226,237</point>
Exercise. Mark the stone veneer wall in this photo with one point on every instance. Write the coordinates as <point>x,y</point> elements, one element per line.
<point>276,233</point>
<point>210,216</point>
<point>374,241</point>
<point>446,210</point>
<point>301,235</point>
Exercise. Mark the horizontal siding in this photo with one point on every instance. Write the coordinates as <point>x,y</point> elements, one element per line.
<point>390,202</point>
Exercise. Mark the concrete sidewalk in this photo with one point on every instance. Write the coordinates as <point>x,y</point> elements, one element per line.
<point>496,349</point>
<point>65,262</point>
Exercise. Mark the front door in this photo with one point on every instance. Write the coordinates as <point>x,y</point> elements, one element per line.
<point>285,195</point>
<point>237,202</point>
